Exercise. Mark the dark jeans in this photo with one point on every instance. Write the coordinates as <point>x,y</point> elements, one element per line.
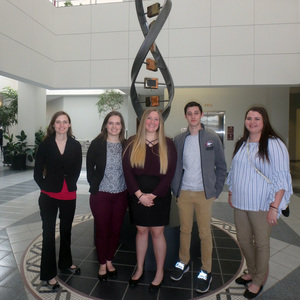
<point>108,211</point>
<point>48,210</point>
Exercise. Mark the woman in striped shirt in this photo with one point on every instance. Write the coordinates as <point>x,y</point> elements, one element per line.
<point>260,187</point>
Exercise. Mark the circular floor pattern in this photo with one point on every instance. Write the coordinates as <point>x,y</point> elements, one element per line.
<point>30,267</point>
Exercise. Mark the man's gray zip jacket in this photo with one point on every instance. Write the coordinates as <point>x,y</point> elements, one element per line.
<point>213,163</point>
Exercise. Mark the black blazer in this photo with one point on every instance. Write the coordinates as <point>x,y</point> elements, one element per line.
<point>96,163</point>
<point>57,166</point>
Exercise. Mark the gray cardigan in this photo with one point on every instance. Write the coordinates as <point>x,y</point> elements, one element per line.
<point>213,165</point>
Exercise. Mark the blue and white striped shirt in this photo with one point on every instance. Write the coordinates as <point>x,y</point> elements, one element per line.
<point>252,192</point>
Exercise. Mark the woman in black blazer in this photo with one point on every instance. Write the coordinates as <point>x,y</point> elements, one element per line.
<point>56,171</point>
<point>108,199</point>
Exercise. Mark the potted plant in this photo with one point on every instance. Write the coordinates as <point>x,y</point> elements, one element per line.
<point>8,116</point>
<point>39,135</point>
<point>109,100</point>
<point>9,108</point>
<point>17,150</point>
<point>68,3</point>
<point>7,149</point>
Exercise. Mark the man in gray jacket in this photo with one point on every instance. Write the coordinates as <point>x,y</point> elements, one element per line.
<point>198,181</point>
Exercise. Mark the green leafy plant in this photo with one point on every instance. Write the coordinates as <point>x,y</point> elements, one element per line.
<point>16,151</point>
<point>68,3</point>
<point>39,135</point>
<point>7,149</point>
<point>19,147</point>
<point>9,109</point>
<point>109,100</point>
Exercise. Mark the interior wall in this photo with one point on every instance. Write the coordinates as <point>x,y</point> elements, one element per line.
<point>294,123</point>
<point>86,122</point>
<point>298,135</point>
<point>214,43</point>
<point>52,107</point>
<point>31,102</point>
<point>235,102</point>
<point>4,82</point>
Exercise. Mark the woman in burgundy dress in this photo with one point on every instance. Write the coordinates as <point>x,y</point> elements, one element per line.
<point>149,162</point>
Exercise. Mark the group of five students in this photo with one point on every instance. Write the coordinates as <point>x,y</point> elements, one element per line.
<point>142,172</point>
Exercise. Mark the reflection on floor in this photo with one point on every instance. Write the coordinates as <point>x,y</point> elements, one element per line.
<point>20,236</point>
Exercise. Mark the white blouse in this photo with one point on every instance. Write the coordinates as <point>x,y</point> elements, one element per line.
<point>250,190</point>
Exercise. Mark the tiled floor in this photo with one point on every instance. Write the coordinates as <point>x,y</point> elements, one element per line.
<point>20,237</point>
<point>227,262</point>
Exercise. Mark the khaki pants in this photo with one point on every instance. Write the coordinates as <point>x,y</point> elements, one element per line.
<point>253,234</point>
<point>188,203</point>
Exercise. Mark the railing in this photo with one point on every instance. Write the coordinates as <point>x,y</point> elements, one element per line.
<point>63,3</point>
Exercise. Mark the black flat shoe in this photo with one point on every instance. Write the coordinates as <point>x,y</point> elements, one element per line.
<point>113,273</point>
<point>134,282</point>
<point>242,281</point>
<point>102,277</point>
<point>251,295</point>
<point>75,270</point>
<point>53,286</point>
<point>154,288</point>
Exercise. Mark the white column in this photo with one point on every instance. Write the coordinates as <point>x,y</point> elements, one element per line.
<point>31,110</point>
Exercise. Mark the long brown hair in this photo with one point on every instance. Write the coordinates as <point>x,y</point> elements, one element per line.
<point>50,130</point>
<point>266,133</point>
<point>138,143</point>
<point>104,133</point>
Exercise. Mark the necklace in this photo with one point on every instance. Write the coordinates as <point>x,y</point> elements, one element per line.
<point>151,142</point>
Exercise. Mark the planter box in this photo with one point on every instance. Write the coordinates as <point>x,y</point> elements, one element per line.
<point>6,157</point>
<point>18,162</point>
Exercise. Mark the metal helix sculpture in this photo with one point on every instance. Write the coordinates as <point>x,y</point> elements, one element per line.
<point>150,33</point>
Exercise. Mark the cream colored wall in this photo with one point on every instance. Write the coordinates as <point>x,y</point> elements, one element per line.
<point>28,41</point>
<point>298,135</point>
<point>213,43</point>
<point>4,82</point>
<point>52,107</point>
<point>235,102</point>
<point>31,110</point>
<point>86,122</point>
<point>294,151</point>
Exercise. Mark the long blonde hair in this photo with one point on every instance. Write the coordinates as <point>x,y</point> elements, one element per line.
<point>138,142</point>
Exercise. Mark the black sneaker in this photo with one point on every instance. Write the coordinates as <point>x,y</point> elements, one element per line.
<point>179,270</point>
<point>203,282</point>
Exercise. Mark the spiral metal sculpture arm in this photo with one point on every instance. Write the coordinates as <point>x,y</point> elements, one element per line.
<point>150,35</point>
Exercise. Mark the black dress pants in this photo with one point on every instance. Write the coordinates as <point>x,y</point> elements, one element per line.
<point>48,210</point>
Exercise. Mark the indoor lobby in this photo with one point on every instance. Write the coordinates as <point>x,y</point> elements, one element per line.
<point>20,248</point>
<point>226,54</point>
